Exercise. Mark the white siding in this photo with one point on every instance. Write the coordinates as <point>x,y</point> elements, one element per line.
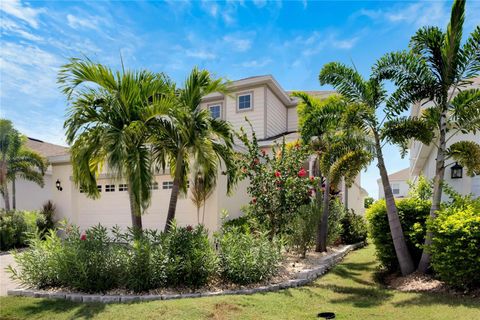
<point>276,115</point>
<point>292,119</point>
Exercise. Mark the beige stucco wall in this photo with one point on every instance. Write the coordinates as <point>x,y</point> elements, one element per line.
<point>402,184</point>
<point>29,195</point>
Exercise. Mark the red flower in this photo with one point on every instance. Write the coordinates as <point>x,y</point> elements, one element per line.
<point>254,200</point>
<point>189,228</point>
<point>277,174</point>
<point>83,237</point>
<point>302,173</point>
<point>312,178</point>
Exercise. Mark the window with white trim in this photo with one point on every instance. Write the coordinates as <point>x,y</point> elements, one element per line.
<point>244,101</point>
<point>82,190</point>
<point>154,186</point>
<point>215,111</point>
<point>123,187</point>
<point>99,188</point>
<point>109,188</point>
<point>167,185</point>
<point>395,188</point>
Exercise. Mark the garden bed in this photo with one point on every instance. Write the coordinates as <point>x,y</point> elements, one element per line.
<point>294,272</point>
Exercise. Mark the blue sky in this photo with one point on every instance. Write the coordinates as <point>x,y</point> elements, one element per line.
<point>235,39</point>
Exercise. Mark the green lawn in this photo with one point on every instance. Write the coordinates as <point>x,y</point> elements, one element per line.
<point>348,290</point>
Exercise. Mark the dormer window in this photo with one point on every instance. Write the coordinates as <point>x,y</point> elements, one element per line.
<point>245,101</point>
<point>215,111</point>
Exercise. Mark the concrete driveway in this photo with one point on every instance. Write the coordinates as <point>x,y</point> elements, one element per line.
<point>5,282</point>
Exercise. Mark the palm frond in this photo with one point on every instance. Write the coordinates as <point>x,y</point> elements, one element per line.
<point>465,109</point>
<point>467,154</point>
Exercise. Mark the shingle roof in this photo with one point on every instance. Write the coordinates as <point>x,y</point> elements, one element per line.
<point>46,149</point>
<point>403,174</point>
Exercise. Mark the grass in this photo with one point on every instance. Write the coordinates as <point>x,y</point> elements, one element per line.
<point>348,290</point>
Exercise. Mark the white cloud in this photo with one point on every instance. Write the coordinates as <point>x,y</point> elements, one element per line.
<point>78,23</point>
<point>238,43</point>
<point>345,44</point>
<point>210,7</point>
<point>201,54</point>
<point>20,11</point>
<point>416,14</point>
<point>256,63</point>
<point>260,3</point>
<point>11,27</point>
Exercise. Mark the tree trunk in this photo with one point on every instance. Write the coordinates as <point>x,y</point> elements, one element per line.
<point>14,192</point>
<point>346,196</point>
<point>6,197</point>
<point>403,254</point>
<point>322,244</point>
<point>424,263</point>
<point>172,206</point>
<point>134,210</point>
<point>203,214</point>
<point>318,199</point>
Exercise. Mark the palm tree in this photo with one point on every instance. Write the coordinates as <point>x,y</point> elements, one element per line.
<point>17,161</point>
<point>107,123</point>
<point>365,97</point>
<point>201,189</point>
<point>194,137</point>
<point>438,69</point>
<point>342,151</point>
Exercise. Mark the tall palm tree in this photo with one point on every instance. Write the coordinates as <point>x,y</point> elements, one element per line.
<point>365,98</point>
<point>438,69</point>
<point>342,150</point>
<point>17,161</point>
<point>107,124</point>
<point>194,137</point>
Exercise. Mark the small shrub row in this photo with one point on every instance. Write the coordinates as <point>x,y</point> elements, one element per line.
<point>354,228</point>
<point>96,261</point>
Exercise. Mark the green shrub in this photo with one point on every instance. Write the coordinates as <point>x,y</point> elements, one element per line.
<point>413,213</point>
<point>354,228</point>
<point>191,258</point>
<point>16,228</point>
<point>303,229</point>
<point>455,245</point>
<point>242,223</point>
<point>336,214</point>
<point>247,257</point>
<point>45,220</point>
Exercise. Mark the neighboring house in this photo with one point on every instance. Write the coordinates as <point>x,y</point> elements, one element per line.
<point>273,115</point>
<point>398,182</point>
<point>422,159</point>
<point>29,195</point>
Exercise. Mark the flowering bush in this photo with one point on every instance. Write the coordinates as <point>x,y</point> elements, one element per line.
<point>279,185</point>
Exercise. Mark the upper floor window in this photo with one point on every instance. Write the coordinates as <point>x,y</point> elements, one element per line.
<point>395,188</point>
<point>154,186</point>
<point>244,101</point>
<point>215,111</point>
<point>99,188</point>
<point>123,187</point>
<point>109,188</point>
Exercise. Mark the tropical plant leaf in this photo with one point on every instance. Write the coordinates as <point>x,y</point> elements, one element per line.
<point>467,154</point>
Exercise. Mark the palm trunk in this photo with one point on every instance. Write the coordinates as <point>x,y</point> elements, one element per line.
<point>134,210</point>
<point>322,244</point>
<point>424,263</point>
<point>172,206</point>
<point>203,214</point>
<point>14,192</point>
<point>346,196</point>
<point>6,197</point>
<point>403,254</point>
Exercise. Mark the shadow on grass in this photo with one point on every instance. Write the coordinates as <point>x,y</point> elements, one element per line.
<point>81,310</point>
<point>358,296</point>
<point>353,271</point>
<point>439,298</point>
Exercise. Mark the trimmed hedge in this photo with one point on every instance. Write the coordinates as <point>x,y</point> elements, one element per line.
<point>354,228</point>
<point>413,213</point>
<point>456,244</point>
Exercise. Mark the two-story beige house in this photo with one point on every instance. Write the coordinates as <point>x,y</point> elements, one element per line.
<point>273,115</point>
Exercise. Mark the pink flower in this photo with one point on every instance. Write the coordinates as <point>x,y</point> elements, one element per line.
<point>278,174</point>
<point>254,200</point>
<point>312,178</point>
<point>83,237</point>
<point>302,173</point>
